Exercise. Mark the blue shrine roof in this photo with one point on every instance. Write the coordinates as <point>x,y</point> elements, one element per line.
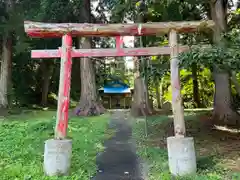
<point>116,87</point>
<point>116,90</point>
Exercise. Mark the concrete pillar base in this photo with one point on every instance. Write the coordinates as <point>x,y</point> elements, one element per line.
<point>57,157</point>
<point>181,156</point>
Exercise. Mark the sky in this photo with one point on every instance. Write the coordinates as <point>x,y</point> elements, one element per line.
<point>235,3</point>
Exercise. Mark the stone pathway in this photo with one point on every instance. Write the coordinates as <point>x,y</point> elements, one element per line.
<point>119,160</point>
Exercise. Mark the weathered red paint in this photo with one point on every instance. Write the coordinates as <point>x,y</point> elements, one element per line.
<point>63,121</point>
<point>149,51</point>
<point>131,31</point>
<point>119,42</point>
<point>71,52</point>
<point>55,34</point>
<point>49,53</point>
<point>119,45</point>
<point>38,29</point>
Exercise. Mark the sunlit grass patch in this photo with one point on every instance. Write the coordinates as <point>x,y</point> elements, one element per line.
<point>22,143</point>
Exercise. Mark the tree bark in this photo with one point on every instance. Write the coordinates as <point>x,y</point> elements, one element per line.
<point>5,71</point>
<point>46,71</point>
<point>196,97</point>
<point>140,104</point>
<point>6,63</point>
<point>223,110</point>
<point>89,104</point>
<point>223,113</point>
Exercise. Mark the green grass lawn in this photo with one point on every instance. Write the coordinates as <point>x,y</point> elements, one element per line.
<point>216,158</point>
<point>22,144</point>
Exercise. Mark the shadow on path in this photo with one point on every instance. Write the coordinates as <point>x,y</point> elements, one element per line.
<point>119,160</point>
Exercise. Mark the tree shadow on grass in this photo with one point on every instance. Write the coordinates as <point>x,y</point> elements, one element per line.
<point>206,163</point>
<point>217,148</point>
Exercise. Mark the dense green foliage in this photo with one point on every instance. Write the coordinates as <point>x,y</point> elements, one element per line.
<point>29,75</point>
<point>225,56</point>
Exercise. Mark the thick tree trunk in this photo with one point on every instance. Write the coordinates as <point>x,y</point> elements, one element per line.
<point>196,97</point>
<point>6,63</point>
<point>140,104</point>
<point>5,71</point>
<point>89,104</point>
<point>46,71</point>
<point>223,109</point>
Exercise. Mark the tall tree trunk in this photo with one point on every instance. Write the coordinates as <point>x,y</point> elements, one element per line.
<point>89,104</point>
<point>196,97</point>
<point>140,104</point>
<point>46,71</point>
<point>5,71</point>
<point>161,91</point>
<point>223,110</point>
<point>158,94</point>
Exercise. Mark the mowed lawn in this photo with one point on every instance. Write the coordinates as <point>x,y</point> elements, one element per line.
<point>217,150</point>
<point>22,144</point>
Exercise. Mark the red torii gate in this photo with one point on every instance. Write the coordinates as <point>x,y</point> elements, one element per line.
<point>66,53</point>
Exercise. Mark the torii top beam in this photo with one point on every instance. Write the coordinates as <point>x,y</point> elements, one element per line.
<point>38,29</point>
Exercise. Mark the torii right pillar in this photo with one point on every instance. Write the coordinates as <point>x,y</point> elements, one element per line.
<point>181,151</point>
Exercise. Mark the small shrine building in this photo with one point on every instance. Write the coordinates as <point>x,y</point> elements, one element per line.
<point>116,95</point>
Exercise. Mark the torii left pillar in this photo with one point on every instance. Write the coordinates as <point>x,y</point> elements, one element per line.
<point>57,152</point>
